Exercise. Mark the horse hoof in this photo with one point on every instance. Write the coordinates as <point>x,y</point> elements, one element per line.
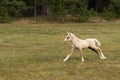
<point>102,57</point>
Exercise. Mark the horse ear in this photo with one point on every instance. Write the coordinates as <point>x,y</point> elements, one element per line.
<point>68,33</point>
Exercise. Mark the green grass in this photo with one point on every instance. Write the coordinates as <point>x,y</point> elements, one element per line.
<point>36,51</point>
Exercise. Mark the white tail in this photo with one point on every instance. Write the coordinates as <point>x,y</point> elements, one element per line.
<point>97,42</point>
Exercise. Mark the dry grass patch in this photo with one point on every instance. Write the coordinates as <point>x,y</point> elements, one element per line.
<point>36,51</point>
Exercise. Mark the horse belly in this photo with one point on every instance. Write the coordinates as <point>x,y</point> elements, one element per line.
<point>84,45</point>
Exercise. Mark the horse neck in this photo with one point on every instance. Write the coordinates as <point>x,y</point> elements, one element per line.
<point>74,39</point>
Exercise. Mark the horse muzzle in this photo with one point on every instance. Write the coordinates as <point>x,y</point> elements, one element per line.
<point>65,40</point>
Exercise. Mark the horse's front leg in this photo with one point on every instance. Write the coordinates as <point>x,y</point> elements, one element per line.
<point>72,51</point>
<point>81,55</point>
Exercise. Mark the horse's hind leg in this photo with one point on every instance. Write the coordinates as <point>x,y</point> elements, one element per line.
<point>95,50</point>
<point>72,51</point>
<point>101,54</point>
<point>98,51</point>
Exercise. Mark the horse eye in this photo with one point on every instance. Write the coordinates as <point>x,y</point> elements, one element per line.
<point>68,37</point>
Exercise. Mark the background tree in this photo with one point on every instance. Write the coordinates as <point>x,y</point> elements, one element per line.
<point>80,10</point>
<point>9,9</point>
<point>97,5</point>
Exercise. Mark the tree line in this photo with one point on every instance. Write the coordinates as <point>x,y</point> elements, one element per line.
<point>78,10</point>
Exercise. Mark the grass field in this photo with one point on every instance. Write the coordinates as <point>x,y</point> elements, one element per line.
<point>36,51</point>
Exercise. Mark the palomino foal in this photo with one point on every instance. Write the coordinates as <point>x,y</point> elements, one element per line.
<point>82,44</point>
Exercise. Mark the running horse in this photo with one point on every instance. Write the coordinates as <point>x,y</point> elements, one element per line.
<point>80,44</point>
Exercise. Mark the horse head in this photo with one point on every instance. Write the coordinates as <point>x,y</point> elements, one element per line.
<point>68,37</point>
